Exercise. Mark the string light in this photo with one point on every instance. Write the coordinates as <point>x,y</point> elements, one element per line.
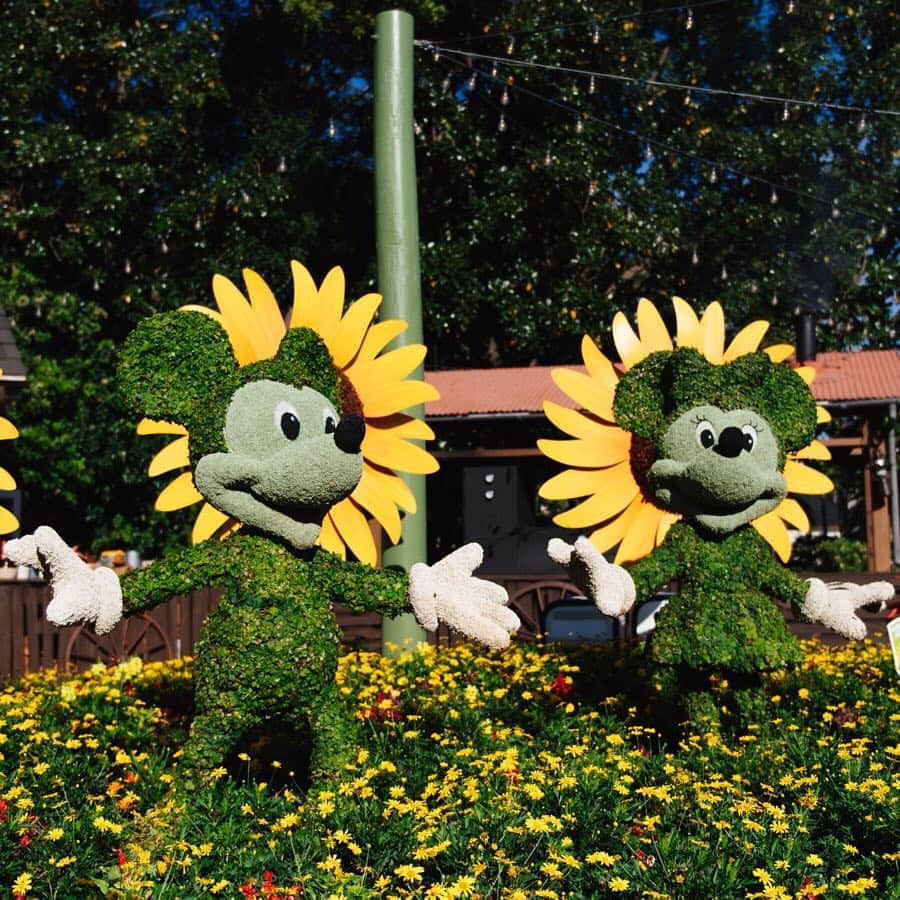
<point>282,165</point>
<point>835,212</point>
<point>548,159</point>
<point>785,113</point>
<point>445,84</point>
<point>473,80</point>
<point>163,246</point>
<point>592,188</point>
<point>197,223</point>
<point>437,55</point>
<point>791,7</point>
<point>724,273</point>
<point>882,232</point>
<point>127,266</point>
<point>695,258</point>
<point>596,35</point>
<point>96,284</point>
<point>494,70</point>
<point>773,199</point>
<point>592,85</point>
<point>579,125</point>
<point>511,45</point>
<point>687,99</point>
<point>504,97</point>
<point>648,152</point>
<point>713,176</point>
<point>774,300</point>
<point>689,23</point>
<point>863,124</point>
<point>501,125</point>
<point>332,131</point>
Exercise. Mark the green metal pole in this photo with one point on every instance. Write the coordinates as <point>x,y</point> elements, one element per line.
<point>397,237</point>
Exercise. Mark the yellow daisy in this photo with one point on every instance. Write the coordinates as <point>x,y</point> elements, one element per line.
<point>8,522</point>
<point>255,327</point>
<point>603,457</point>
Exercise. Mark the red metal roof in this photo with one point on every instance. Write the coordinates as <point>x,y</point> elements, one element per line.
<point>840,378</point>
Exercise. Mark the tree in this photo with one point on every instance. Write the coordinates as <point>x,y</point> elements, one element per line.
<point>550,198</point>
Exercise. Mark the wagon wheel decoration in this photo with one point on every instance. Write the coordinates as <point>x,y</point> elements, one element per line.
<point>138,635</point>
<point>531,601</point>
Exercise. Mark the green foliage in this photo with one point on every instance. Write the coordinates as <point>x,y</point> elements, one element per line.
<point>813,553</point>
<point>535,770</point>
<point>669,383</point>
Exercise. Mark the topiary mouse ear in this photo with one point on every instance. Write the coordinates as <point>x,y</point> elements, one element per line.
<point>171,364</point>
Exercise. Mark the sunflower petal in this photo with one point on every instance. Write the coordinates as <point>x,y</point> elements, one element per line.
<point>575,423</point>
<point>801,479</point>
<point>266,312</point>
<point>590,453</point>
<point>712,332</point>
<point>354,529</point>
<point>7,430</point>
<point>394,398</point>
<point>572,483</point>
<point>384,449</point>
<point>209,520</point>
<point>7,482</point>
<point>597,508</point>
<point>395,365</point>
<point>815,450</point>
<point>585,391</point>
<point>598,365</point>
<point>370,496</point>
<point>610,534</point>
<point>687,325</point>
<point>403,426</point>
<point>352,329</point>
<point>172,456</point>
<point>178,493</point>
<point>628,344</point>
<point>378,337</point>
<point>331,304</point>
<point>8,522</point>
<point>779,352</point>
<point>248,340</point>
<point>775,533</point>
<point>822,415</point>
<point>640,539</point>
<point>665,523</point>
<point>654,334</point>
<point>330,540</point>
<point>793,513</point>
<point>306,311</point>
<point>747,340</point>
<point>157,426</point>
<point>807,373</point>
<point>393,486</point>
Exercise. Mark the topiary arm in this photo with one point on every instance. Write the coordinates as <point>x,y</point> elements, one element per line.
<point>180,572</point>
<point>657,569</point>
<point>360,587</point>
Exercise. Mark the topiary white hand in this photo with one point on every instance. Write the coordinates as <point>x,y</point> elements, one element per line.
<point>79,593</point>
<point>834,604</point>
<point>447,592</point>
<point>609,586</point>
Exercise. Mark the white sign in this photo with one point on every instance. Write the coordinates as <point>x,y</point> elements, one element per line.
<point>893,631</point>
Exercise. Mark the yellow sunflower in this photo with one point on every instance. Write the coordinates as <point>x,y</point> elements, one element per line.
<point>600,452</point>
<point>8,522</point>
<point>255,327</point>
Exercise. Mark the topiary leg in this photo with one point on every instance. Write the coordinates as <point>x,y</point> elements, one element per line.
<point>213,735</point>
<point>335,736</point>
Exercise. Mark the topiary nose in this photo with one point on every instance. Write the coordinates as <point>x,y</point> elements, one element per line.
<point>350,433</point>
<point>731,442</point>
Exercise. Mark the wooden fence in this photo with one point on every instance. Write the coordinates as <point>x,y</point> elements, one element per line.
<point>29,643</point>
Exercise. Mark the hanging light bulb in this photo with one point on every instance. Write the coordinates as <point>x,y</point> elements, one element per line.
<point>332,131</point>
<point>548,158</point>
<point>163,246</point>
<point>445,84</point>
<point>863,124</point>
<point>501,125</point>
<point>494,70</point>
<point>713,176</point>
<point>629,215</point>
<point>687,99</point>
<point>785,113</point>
<point>774,300</point>
<point>689,22</point>
<point>592,188</point>
<point>197,223</point>
<point>504,97</point>
<point>724,273</point>
<point>473,80</point>
<point>695,258</point>
<point>882,232</point>
<point>282,165</point>
<point>511,45</point>
<point>417,128</point>
<point>579,125</point>
<point>791,7</point>
<point>96,284</point>
<point>835,212</point>
<point>595,37</point>
<point>592,85</point>
<point>773,198</point>
<point>127,266</point>
<point>648,152</point>
<point>437,55</point>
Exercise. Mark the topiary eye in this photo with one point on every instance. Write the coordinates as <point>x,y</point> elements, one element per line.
<point>706,435</point>
<point>330,419</point>
<point>749,433</point>
<point>287,421</point>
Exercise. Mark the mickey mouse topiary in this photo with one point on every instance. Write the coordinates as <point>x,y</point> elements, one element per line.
<point>275,431</point>
<point>689,457</point>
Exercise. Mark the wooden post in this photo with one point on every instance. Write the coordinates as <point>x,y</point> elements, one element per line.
<point>878,519</point>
